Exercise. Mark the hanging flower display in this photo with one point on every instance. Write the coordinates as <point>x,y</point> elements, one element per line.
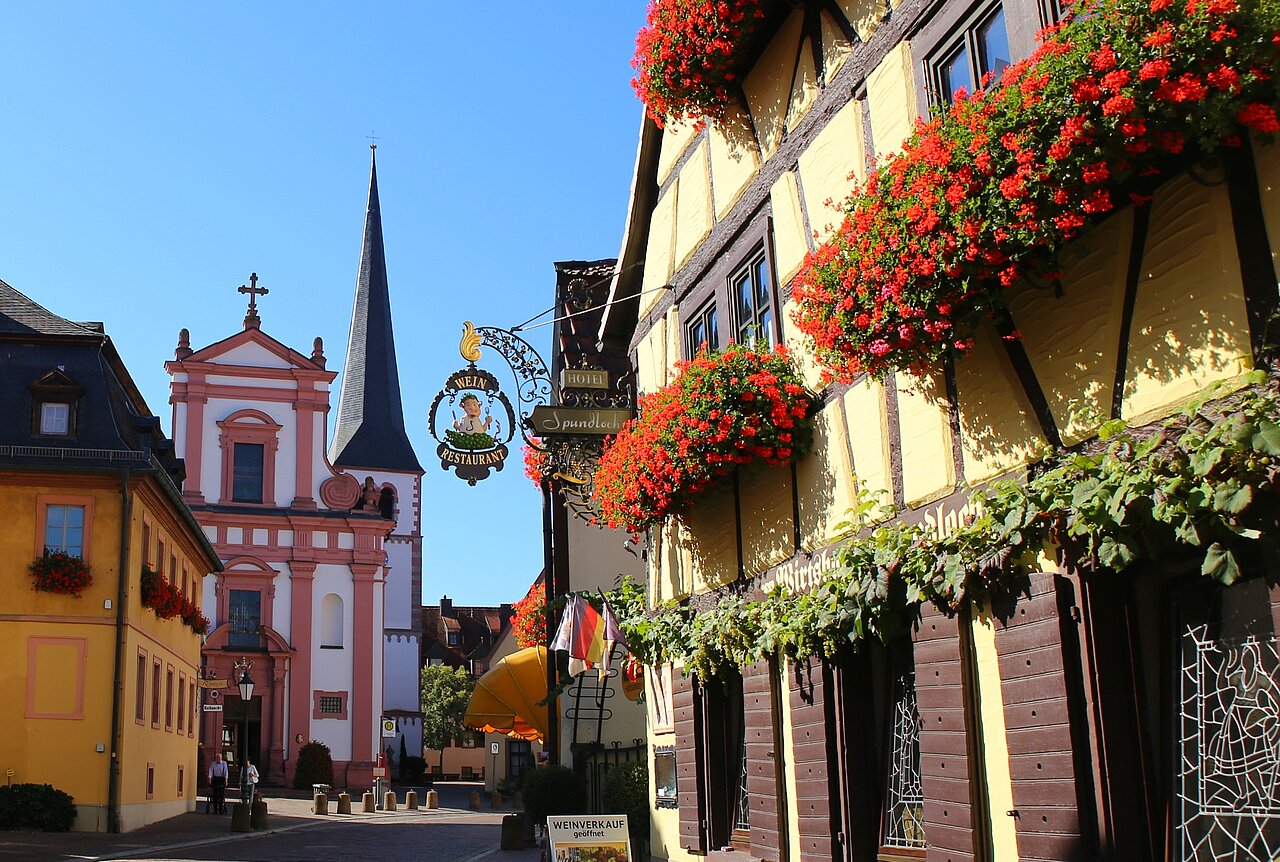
<point>167,601</point>
<point>723,410</point>
<point>535,462</point>
<point>986,192</point>
<point>529,621</point>
<point>60,572</point>
<point>686,56</point>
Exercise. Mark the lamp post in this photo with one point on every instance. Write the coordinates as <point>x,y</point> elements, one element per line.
<point>246,694</point>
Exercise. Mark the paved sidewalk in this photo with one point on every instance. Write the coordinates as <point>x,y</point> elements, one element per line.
<point>198,830</point>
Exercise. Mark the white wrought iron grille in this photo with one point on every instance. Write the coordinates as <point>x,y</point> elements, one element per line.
<point>1229,752</point>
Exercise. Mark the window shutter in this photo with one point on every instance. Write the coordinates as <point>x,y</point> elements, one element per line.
<point>762,761</point>
<point>810,692</point>
<point>1038,724</point>
<point>944,747</point>
<point>689,791</point>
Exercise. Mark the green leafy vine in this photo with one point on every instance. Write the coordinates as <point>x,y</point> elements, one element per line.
<point>1202,482</point>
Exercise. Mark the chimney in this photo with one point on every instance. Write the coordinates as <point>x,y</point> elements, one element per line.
<point>446,607</point>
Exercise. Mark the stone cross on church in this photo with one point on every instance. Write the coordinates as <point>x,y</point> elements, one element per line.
<point>251,319</point>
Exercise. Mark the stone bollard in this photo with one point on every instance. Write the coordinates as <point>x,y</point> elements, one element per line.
<point>368,802</point>
<point>344,803</point>
<point>411,800</point>
<point>258,816</point>
<point>512,832</point>
<point>495,800</point>
<point>321,803</point>
<point>475,800</point>
<point>240,817</point>
<point>389,801</point>
<point>433,800</point>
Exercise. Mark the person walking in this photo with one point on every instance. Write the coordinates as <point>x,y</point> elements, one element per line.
<point>218,775</point>
<point>248,782</point>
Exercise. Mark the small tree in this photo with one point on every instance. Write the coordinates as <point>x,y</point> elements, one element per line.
<point>445,693</point>
<point>315,766</point>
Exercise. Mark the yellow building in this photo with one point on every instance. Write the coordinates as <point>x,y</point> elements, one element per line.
<point>1097,683</point>
<point>105,704</point>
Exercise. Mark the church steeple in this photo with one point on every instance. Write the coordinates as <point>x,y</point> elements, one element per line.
<point>370,431</point>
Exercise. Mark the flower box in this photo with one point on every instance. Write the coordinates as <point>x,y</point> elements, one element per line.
<point>724,410</point>
<point>60,572</point>
<point>690,55</point>
<point>986,193</point>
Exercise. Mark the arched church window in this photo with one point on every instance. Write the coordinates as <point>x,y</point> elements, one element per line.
<point>387,503</point>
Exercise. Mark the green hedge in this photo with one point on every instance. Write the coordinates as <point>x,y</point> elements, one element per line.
<point>315,766</point>
<point>38,807</point>
<point>553,789</point>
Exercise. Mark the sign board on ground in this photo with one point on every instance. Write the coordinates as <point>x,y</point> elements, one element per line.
<point>379,772</point>
<point>587,838</point>
<point>212,707</point>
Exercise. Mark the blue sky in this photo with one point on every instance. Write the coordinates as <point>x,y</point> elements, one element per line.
<point>153,155</point>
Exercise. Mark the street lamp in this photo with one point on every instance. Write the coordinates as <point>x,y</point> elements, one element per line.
<point>246,694</point>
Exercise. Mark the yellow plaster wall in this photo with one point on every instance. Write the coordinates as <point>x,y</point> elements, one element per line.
<point>711,540</point>
<point>891,94</point>
<point>864,15</point>
<point>1072,340</point>
<point>998,429</point>
<point>676,138</point>
<point>768,84</point>
<point>831,166</point>
<point>804,86</point>
<point>651,358</point>
<point>659,249</point>
<point>868,423</point>
<point>693,205</point>
<point>789,781</point>
<point>1267,160</point>
<point>1189,322</point>
<point>789,244</point>
<point>675,346</point>
<point>809,369</point>
<point>835,47</point>
<point>825,480</point>
<point>735,158</point>
<point>995,748</point>
<point>928,467</point>
<point>768,520</point>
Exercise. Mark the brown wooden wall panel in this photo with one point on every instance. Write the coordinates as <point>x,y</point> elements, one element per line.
<point>944,762</point>
<point>762,762</point>
<point>1037,713</point>
<point>810,758</point>
<point>688,781</point>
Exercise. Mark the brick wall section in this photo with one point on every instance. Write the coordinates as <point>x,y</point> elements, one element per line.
<point>762,768</point>
<point>944,760</point>
<point>1041,760</point>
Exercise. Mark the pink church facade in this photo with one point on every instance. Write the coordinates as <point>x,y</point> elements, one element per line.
<point>319,596</point>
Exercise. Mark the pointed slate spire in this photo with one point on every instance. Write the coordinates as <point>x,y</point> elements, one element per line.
<point>370,431</point>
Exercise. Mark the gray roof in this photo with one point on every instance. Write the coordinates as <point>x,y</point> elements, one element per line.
<point>370,432</point>
<point>20,315</point>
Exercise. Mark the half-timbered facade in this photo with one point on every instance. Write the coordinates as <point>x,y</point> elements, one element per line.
<point>1093,715</point>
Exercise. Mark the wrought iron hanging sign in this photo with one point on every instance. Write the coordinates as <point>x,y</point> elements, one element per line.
<point>471,418</point>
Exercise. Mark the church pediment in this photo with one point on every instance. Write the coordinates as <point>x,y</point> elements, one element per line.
<point>253,348</point>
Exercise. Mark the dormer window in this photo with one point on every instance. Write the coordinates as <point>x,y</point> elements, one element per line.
<point>54,397</point>
<point>55,418</point>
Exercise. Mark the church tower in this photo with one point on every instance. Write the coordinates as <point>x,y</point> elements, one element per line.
<point>370,441</point>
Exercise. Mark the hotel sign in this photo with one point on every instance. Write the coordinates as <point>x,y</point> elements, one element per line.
<point>584,378</point>
<point>577,420</point>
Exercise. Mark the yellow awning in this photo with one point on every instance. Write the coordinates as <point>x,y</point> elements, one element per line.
<point>506,698</point>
